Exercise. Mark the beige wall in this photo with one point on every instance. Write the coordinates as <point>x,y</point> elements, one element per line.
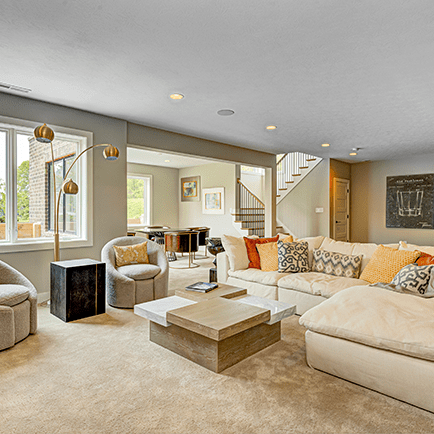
<point>338,169</point>
<point>297,210</point>
<point>109,178</point>
<point>109,182</point>
<point>151,138</point>
<point>255,183</point>
<point>165,182</point>
<point>368,198</point>
<point>211,175</point>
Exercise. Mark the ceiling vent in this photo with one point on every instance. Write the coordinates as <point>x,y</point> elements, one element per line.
<point>13,87</point>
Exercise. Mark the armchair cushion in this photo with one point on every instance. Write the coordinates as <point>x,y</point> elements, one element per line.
<point>140,271</point>
<point>11,295</point>
<point>135,254</point>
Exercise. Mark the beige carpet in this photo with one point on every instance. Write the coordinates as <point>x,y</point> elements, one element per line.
<point>102,375</point>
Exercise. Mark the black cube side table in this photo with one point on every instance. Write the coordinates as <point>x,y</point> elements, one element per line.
<point>77,289</point>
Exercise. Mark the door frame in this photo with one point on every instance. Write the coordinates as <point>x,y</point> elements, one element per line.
<point>347,182</point>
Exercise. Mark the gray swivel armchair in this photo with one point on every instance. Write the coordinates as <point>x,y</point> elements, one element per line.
<point>18,306</point>
<point>132,284</point>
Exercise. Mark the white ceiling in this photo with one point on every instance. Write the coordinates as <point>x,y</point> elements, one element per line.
<point>348,73</point>
<point>151,158</point>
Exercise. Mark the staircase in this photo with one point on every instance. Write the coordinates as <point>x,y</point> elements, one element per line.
<point>291,169</point>
<point>249,216</point>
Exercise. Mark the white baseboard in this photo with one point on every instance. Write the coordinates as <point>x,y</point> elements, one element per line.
<point>43,296</point>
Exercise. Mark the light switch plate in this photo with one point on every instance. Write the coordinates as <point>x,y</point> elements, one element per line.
<point>319,210</point>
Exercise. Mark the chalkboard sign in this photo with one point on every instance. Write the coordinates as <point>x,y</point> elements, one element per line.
<point>410,201</point>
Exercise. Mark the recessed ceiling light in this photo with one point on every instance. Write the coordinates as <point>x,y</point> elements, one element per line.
<point>270,127</point>
<point>354,151</point>
<point>325,145</point>
<point>353,154</point>
<point>167,161</point>
<point>177,96</point>
<point>225,112</point>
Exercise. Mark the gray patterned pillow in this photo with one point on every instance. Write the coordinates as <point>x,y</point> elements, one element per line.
<point>293,257</point>
<point>336,264</point>
<point>415,278</point>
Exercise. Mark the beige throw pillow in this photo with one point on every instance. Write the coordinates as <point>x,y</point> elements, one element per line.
<point>235,248</point>
<point>129,255</point>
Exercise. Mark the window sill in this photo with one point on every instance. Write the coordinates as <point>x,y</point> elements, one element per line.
<point>26,246</point>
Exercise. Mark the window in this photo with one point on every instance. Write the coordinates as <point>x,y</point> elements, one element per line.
<point>139,200</point>
<point>68,202</point>
<point>26,188</point>
<point>253,170</point>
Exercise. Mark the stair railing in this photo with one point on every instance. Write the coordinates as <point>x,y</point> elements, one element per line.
<point>250,209</point>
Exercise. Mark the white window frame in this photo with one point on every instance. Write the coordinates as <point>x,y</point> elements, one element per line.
<point>84,180</point>
<point>150,195</point>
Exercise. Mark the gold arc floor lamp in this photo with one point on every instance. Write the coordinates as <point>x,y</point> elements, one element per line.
<point>45,134</point>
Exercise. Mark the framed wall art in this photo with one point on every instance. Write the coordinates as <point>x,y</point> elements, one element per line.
<point>410,201</point>
<point>213,200</point>
<point>190,189</point>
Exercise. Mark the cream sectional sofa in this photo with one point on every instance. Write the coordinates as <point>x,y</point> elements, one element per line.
<point>371,336</point>
<point>305,290</point>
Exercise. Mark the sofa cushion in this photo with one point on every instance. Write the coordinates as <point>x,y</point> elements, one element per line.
<point>318,283</point>
<point>11,295</point>
<point>293,257</point>
<point>336,264</point>
<point>366,250</point>
<point>258,276</point>
<point>412,247</point>
<point>140,271</point>
<point>331,245</point>
<point>377,317</point>
<point>415,278</point>
<point>134,254</point>
<point>252,253</point>
<point>385,263</point>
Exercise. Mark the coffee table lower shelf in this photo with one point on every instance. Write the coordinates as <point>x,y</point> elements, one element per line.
<point>209,353</point>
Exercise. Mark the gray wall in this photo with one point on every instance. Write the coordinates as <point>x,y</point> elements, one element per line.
<point>212,175</point>
<point>297,210</point>
<point>368,199</point>
<point>109,182</point>
<point>165,196</point>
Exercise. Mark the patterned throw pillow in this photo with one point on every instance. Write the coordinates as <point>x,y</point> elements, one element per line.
<point>268,254</point>
<point>386,262</point>
<point>129,255</point>
<point>414,278</point>
<point>336,264</point>
<point>252,253</point>
<point>293,257</point>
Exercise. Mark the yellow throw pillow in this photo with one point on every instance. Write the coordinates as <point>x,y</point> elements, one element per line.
<point>268,254</point>
<point>128,255</point>
<point>386,262</point>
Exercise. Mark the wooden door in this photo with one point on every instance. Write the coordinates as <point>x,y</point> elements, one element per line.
<point>341,209</point>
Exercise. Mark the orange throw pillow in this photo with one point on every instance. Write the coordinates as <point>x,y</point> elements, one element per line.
<point>252,253</point>
<point>425,259</point>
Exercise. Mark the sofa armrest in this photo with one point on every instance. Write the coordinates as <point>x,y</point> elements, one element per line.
<point>222,267</point>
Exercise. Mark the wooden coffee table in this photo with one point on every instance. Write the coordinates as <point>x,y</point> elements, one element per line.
<point>223,290</point>
<point>215,333</point>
